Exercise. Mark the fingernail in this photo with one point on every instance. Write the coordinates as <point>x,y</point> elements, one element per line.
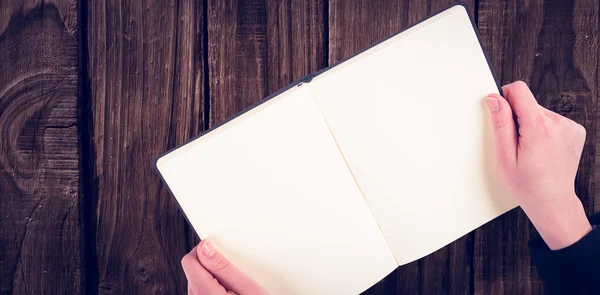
<point>208,249</point>
<point>493,103</point>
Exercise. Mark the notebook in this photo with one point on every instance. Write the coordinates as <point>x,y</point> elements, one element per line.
<point>333,182</point>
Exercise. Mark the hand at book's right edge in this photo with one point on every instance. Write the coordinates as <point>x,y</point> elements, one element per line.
<point>538,156</point>
<point>209,272</point>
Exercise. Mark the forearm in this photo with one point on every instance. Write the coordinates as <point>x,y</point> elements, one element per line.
<point>561,222</point>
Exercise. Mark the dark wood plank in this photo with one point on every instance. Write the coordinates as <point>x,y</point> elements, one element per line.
<point>147,95</point>
<point>296,40</point>
<point>237,38</point>
<point>597,165</point>
<point>355,25</point>
<point>551,45</point>
<point>256,47</point>
<point>40,226</point>
<point>597,130</point>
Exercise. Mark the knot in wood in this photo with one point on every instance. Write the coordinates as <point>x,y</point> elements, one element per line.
<point>107,288</point>
<point>564,105</point>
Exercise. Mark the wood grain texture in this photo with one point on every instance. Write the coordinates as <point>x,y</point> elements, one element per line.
<point>39,178</point>
<point>147,77</point>
<point>256,47</point>
<point>296,40</point>
<point>353,26</point>
<point>551,45</point>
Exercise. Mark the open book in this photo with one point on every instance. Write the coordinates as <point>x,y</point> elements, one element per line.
<point>333,182</point>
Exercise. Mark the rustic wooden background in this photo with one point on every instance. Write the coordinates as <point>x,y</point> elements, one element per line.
<point>92,91</point>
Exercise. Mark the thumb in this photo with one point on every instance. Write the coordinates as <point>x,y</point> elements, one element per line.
<point>505,131</point>
<point>226,273</point>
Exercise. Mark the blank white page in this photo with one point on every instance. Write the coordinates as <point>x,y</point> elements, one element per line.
<point>410,119</point>
<point>271,190</point>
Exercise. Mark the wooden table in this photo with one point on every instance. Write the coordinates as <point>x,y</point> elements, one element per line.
<point>92,91</point>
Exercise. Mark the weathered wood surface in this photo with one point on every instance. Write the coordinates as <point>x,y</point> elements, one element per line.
<point>256,47</point>
<point>146,72</point>
<point>92,91</point>
<point>40,221</point>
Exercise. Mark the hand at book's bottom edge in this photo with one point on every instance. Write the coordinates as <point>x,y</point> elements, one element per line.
<point>209,272</point>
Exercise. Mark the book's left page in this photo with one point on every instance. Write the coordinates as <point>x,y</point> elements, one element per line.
<point>271,190</point>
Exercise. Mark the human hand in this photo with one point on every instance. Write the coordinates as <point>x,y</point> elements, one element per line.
<point>537,162</point>
<point>209,273</point>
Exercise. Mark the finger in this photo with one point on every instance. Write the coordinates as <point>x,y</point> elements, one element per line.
<point>505,131</point>
<point>228,275</point>
<point>200,281</point>
<point>521,101</point>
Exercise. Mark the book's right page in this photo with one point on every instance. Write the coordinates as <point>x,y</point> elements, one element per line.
<point>409,118</point>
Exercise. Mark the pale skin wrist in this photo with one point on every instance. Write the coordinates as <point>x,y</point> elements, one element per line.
<point>559,224</point>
